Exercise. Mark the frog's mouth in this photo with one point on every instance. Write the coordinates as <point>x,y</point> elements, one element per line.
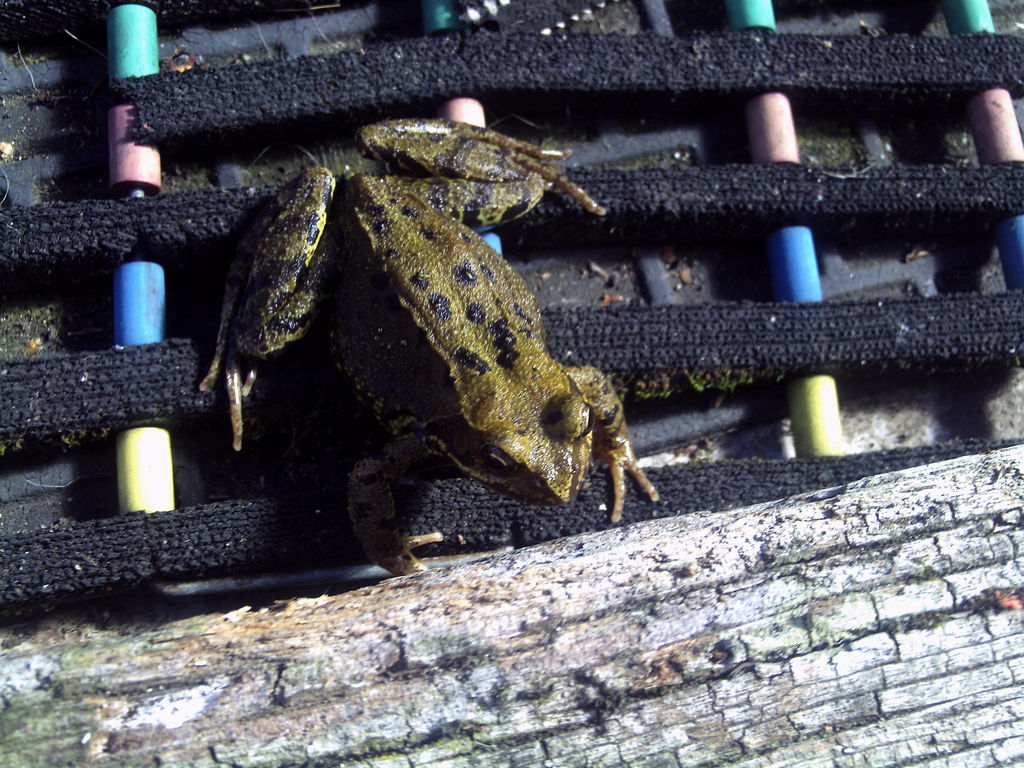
<point>533,489</point>
<point>548,476</point>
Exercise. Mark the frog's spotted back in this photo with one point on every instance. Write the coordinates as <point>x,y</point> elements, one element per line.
<point>475,309</point>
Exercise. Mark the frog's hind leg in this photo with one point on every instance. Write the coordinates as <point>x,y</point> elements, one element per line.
<point>280,272</point>
<point>238,275</point>
<point>459,150</point>
<point>372,507</point>
<point>474,203</point>
<point>226,351</point>
<point>611,438</point>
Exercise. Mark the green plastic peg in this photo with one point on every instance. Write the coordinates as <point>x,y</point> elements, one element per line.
<point>750,14</point>
<point>441,16</point>
<point>131,41</point>
<point>967,17</point>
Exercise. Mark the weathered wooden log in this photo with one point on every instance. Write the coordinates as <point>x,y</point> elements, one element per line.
<point>875,624</point>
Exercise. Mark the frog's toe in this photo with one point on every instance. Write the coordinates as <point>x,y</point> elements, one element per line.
<point>619,468</point>
<point>411,542</point>
<point>405,562</point>
<point>250,379</point>
<point>402,565</point>
<point>641,479</point>
<point>211,377</point>
<point>234,389</point>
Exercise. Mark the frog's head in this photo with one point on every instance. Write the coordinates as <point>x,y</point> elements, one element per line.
<point>536,451</point>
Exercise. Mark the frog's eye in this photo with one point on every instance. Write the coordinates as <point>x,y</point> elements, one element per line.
<point>497,460</point>
<point>568,417</point>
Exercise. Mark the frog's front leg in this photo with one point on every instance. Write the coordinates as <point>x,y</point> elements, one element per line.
<point>277,278</point>
<point>611,437</point>
<point>372,507</point>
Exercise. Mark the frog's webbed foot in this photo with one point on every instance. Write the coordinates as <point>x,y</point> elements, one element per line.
<point>372,507</point>
<point>617,452</point>
<point>405,562</point>
<point>236,388</point>
<point>611,437</point>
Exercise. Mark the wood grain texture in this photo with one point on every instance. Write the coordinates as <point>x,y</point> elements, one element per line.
<point>868,625</point>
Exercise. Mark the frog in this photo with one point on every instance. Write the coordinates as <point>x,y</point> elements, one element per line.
<point>435,330</point>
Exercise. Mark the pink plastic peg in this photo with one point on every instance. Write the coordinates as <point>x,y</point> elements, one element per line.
<point>131,165</point>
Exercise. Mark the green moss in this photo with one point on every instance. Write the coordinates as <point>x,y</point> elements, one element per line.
<point>13,446</point>
<point>670,383</point>
<point>654,394</point>
<point>47,324</point>
<point>186,176</point>
<point>66,441</point>
<point>76,439</point>
<point>830,143</point>
<point>727,381</point>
